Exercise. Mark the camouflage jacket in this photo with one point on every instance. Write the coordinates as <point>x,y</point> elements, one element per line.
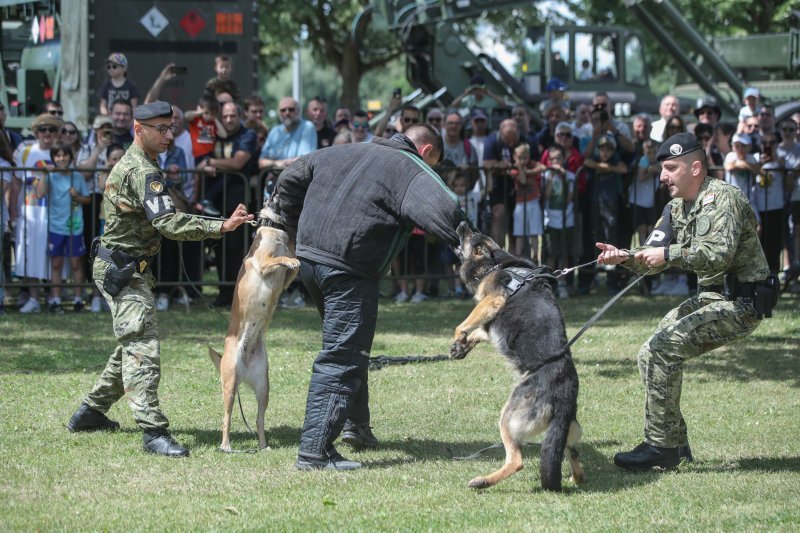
<point>716,236</point>
<point>139,209</point>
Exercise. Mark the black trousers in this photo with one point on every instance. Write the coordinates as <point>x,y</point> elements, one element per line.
<point>338,390</point>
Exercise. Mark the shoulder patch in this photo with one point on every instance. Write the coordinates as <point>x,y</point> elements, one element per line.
<point>703,225</point>
<point>709,198</point>
<point>157,203</point>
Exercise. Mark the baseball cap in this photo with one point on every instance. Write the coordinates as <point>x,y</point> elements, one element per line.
<point>477,79</point>
<point>479,113</point>
<point>707,102</point>
<point>564,126</point>
<point>678,145</point>
<point>118,58</point>
<point>752,91</point>
<point>100,121</point>
<point>742,138</point>
<point>555,84</point>
<point>607,140</point>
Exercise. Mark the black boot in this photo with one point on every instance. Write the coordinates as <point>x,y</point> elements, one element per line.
<point>160,442</point>
<point>359,436</point>
<point>88,419</point>
<point>685,453</point>
<point>646,456</point>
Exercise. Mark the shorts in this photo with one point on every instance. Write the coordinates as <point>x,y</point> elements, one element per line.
<point>65,245</point>
<point>502,191</point>
<point>558,242</point>
<point>642,215</point>
<point>528,219</point>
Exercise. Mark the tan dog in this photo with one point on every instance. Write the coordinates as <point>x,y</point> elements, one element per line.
<point>266,271</point>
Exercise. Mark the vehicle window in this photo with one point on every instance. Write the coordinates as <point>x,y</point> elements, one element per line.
<point>634,62</point>
<point>560,50</point>
<point>595,58</point>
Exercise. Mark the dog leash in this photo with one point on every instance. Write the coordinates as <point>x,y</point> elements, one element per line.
<point>380,361</point>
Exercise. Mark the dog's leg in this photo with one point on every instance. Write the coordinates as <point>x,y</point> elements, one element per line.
<point>574,436</point>
<point>262,395</point>
<point>482,314</point>
<point>227,374</point>
<point>513,462</point>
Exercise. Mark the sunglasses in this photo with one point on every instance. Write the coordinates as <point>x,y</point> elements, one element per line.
<point>47,129</point>
<point>563,134</point>
<point>789,130</point>
<point>56,113</point>
<point>364,125</point>
<point>409,120</point>
<point>391,130</point>
<point>68,132</point>
<point>162,128</point>
<point>112,66</point>
<point>287,109</point>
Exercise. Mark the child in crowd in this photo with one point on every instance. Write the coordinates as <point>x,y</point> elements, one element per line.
<point>204,128</point>
<point>528,223</point>
<point>750,98</point>
<point>113,154</point>
<point>117,86</point>
<point>66,189</point>
<point>642,192</point>
<point>222,82</point>
<point>741,166</point>
<point>559,201</point>
<point>468,200</point>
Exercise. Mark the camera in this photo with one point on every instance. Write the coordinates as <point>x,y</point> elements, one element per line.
<point>179,71</point>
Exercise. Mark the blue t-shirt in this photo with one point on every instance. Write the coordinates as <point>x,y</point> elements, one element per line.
<point>61,203</point>
<point>282,145</point>
<point>244,140</point>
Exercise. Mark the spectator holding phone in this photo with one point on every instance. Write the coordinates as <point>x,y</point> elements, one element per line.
<point>477,95</point>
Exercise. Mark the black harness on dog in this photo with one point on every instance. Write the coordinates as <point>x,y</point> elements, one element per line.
<point>521,275</point>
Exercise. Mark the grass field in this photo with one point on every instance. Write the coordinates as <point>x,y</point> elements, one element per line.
<point>741,403</point>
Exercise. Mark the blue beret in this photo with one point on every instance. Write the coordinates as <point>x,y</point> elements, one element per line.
<point>155,109</point>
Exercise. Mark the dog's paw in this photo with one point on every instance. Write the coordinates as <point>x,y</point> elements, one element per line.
<point>293,264</point>
<point>479,483</point>
<point>459,350</point>
<point>577,478</point>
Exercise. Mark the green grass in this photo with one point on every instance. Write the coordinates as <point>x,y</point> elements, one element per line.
<point>741,403</point>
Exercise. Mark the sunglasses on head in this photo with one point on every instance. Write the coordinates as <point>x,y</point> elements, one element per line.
<point>287,109</point>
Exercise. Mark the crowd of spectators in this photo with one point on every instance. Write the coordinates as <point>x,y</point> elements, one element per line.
<point>548,192</point>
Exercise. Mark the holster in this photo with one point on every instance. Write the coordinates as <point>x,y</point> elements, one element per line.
<point>121,268</point>
<point>762,294</point>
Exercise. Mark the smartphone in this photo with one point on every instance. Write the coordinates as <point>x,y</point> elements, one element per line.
<point>397,92</point>
<point>179,71</point>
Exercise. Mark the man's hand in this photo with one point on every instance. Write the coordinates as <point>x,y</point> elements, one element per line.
<point>651,257</point>
<point>610,255</point>
<point>237,218</point>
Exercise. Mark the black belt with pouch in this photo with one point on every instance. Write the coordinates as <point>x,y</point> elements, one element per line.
<point>762,294</point>
<point>122,267</point>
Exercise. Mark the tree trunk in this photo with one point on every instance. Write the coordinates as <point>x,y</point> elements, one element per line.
<point>351,72</point>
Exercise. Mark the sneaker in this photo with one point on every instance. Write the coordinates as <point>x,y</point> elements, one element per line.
<point>96,304</point>
<point>209,208</point>
<point>562,292</point>
<point>162,304</point>
<point>30,306</point>
<point>78,306</point>
<point>401,297</point>
<point>183,299</point>
<point>56,308</point>
<point>360,436</point>
<point>418,298</point>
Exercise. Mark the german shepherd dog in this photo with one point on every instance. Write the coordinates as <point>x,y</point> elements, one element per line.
<point>527,327</point>
<point>266,271</point>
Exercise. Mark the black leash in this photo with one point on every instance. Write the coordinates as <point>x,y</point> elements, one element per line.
<point>380,361</point>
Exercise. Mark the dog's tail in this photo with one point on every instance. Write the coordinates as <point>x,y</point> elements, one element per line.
<point>552,453</point>
<point>215,357</point>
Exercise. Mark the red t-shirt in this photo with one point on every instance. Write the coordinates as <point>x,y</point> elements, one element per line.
<point>532,188</point>
<point>203,135</point>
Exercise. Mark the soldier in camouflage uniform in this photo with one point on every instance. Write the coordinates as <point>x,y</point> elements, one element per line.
<point>710,229</point>
<point>138,212</point>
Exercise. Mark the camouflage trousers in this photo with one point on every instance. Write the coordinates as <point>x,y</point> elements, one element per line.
<point>134,369</point>
<point>695,327</point>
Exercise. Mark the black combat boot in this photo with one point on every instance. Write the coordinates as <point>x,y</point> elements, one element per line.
<point>685,453</point>
<point>359,436</point>
<point>88,419</point>
<point>646,456</point>
<point>160,442</point>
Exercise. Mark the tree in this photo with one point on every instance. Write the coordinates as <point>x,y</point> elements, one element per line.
<point>325,26</point>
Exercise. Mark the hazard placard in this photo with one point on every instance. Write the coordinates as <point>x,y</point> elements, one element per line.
<point>192,23</point>
<point>154,21</point>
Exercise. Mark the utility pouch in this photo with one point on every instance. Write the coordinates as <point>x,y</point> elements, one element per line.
<point>117,278</point>
<point>766,296</point>
<point>93,249</point>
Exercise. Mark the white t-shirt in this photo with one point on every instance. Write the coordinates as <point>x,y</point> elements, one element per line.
<point>769,197</point>
<point>741,178</point>
<point>477,147</point>
<point>31,225</point>
<point>791,158</point>
<point>643,193</point>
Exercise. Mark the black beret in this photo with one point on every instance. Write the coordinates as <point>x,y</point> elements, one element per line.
<point>157,109</point>
<point>678,145</point>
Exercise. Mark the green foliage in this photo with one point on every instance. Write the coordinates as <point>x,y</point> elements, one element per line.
<point>740,402</point>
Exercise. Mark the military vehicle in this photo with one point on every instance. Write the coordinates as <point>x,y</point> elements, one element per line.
<point>56,49</point>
